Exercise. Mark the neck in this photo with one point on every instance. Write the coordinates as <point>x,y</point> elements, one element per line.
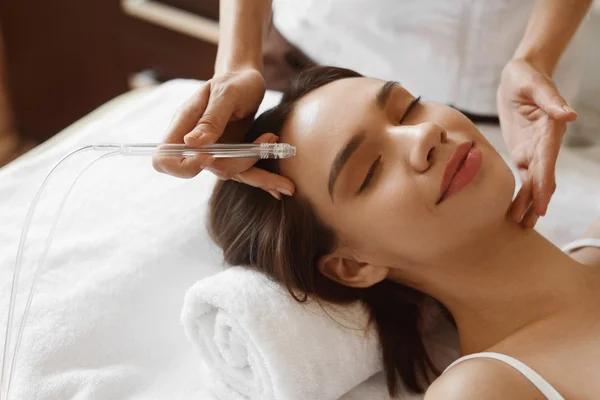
<point>514,279</point>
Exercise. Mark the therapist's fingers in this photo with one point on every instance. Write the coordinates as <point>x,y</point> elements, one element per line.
<point>268,181</point>
<point>224,168</point>
<point>530,219</point>
<point>182,167</point>
<point>187,116</point>
<point>227,168</point>
<point>522,201</point>
<point>522,209</point>
<point>242,170</point>
<point>184,120</point>
<point>231,97</point>
<point>545,94</point>
<point>543,169</point>
<point>212,123</point>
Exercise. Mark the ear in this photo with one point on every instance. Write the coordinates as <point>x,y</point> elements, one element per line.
<point>346,270</point>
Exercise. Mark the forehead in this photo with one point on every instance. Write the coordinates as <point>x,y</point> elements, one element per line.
<point>320,125</point>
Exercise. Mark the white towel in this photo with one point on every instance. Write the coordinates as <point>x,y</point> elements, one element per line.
<point>259,343</point>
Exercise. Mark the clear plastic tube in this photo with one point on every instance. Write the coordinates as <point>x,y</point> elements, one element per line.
<point>19,260</point>
<point>17,270</point>
<point>218,150</point>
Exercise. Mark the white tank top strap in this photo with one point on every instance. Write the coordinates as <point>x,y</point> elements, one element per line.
<point>579,243</point>
<point>539,382</point>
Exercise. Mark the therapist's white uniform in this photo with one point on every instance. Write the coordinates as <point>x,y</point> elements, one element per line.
<point>448,51</point>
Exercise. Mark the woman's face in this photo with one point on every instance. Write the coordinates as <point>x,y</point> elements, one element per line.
<point>378,168</point>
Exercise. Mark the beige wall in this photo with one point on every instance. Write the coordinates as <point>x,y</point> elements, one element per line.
<point>587,102</point>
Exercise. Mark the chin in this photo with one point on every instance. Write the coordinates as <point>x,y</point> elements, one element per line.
<point>499,193</point>
<point>489,199</point>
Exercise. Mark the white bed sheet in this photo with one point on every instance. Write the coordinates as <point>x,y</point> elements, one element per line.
<point>105,319</point>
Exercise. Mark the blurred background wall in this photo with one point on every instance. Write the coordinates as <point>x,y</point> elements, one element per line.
<point>588,102</point>
<point>63,58</point>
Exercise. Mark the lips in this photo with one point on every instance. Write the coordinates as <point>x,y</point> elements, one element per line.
<point>455,164</point>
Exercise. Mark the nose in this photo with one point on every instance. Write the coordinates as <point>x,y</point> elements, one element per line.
<point>428,138</point>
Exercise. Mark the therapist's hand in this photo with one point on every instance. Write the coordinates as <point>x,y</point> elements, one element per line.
<point>221,111</point>
<point>533,117</point>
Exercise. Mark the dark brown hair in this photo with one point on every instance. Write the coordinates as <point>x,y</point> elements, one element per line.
<point>285,239</point>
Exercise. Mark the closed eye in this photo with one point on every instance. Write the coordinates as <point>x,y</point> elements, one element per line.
<point>377,162</point>
<point>410,107</point>
<point>370,175</point>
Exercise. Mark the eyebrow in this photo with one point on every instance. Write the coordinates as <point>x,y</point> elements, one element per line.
<point>382,97</point>
<point>342,158</point>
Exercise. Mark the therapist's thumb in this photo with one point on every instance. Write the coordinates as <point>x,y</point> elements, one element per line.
<point>213,121</point>
<point>546,96</point>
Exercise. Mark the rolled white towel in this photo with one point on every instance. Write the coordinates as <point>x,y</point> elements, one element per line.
<point>259,343</point>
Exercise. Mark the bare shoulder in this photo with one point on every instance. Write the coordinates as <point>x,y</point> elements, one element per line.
<point>482,378</point>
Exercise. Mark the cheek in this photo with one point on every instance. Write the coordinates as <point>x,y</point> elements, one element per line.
<point>393,215</point>
<point>399,201</point>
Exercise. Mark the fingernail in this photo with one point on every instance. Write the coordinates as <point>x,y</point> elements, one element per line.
<point>568,109</point>
<point>190,140</point>
<point>284,191</point>
<point>275,194</point>
<point>539,209</point>
<point>200,138</point>
<point>193,135</point>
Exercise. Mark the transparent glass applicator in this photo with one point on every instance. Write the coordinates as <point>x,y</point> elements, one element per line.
<point>218,150</point>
